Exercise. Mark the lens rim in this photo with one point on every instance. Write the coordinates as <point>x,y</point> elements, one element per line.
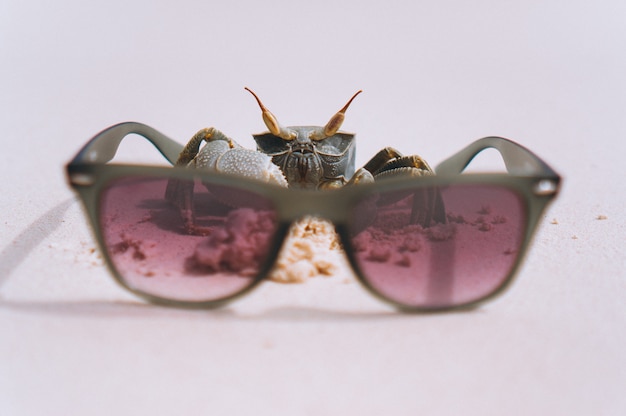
<point>93,195</point>
<point>532,204</point>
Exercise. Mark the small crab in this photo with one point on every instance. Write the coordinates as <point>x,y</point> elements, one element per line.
<point>305,157</point>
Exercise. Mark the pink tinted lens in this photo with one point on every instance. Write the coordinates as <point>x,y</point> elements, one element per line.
<point>424,250</point>
<point>217,253</point>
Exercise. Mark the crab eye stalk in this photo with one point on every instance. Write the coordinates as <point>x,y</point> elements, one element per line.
<point>271,122</point>
<point>335,121</point>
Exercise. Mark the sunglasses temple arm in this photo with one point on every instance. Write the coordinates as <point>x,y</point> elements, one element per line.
<point>517,159</point>
<point>103,146</point>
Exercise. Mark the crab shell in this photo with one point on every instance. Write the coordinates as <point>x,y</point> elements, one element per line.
<point>310,163</point>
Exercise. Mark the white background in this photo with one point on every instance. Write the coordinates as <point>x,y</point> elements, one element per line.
<point>436,75</point>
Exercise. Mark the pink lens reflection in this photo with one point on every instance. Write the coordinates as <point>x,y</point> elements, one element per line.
<point>440,265</point>
<point>154,252</point>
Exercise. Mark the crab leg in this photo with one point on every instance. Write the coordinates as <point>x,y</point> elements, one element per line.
<point>427,205</point>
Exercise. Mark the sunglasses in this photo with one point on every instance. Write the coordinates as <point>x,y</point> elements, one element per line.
<point>468,253</point>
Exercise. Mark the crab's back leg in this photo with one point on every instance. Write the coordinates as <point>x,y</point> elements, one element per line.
<point>190,151</point>
<point>381,158</point>
<point>427,205</point>
<point>180,192</point>
<point>175,188</point>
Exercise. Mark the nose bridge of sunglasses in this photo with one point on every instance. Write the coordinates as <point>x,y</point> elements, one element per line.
<point>331,205</point>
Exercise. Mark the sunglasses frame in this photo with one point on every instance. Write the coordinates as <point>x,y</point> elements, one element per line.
<point>530,177</point>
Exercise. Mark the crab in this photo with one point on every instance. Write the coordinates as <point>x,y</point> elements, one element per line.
<point>304,157</point>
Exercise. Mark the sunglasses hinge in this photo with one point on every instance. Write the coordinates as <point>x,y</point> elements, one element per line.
<point>82,179</point>
<point>545,187</point>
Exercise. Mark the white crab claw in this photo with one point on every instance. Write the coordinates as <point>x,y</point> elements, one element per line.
<point>251,164</point>
<point>233,159</point>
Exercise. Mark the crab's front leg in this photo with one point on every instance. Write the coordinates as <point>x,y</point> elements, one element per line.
<point>427,204</point>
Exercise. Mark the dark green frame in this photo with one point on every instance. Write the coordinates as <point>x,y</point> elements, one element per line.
<point>527,174</point>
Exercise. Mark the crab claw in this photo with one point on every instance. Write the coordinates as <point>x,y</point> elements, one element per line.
<point>250,164</point>
<point>223,155</point>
